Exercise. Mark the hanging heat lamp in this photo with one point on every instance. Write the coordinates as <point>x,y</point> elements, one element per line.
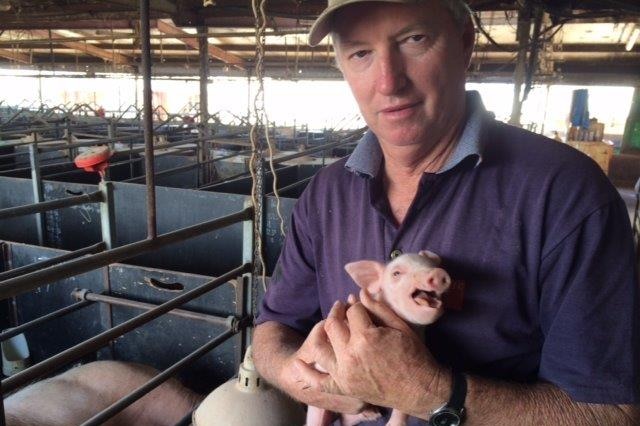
<point>95,159</point>
<point>248,401</point>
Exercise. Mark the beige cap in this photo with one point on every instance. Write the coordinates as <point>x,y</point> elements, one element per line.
<point>322,26</point>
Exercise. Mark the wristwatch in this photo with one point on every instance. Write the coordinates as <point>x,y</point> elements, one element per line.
<point>452,413</point>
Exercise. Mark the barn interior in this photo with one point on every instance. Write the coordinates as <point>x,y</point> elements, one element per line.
<point>120,228</point>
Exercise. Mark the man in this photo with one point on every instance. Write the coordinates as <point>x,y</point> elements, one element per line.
<point>547,333</point>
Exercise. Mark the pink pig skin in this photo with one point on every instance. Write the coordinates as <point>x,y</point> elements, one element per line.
<point>413,286</point>
<point>81,392</point>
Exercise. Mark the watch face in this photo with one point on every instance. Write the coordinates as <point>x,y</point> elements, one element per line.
<point>445,418</point>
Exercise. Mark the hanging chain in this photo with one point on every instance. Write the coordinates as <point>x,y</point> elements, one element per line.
<point>261,120</point>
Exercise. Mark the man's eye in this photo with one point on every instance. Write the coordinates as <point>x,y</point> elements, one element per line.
<point>360,54</point>
<point>416,38</point>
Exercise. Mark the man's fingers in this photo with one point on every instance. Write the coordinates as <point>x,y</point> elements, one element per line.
<point>315,380</point>
<point>382,313</point>
<point>358,318</point>
<point>336,327</point>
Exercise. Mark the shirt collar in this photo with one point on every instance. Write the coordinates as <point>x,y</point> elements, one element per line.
<point>367,156</point>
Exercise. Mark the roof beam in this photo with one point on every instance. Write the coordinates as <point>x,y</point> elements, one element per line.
<point>86,48</point>
<point>15,56</point>
<point>192,42</point>
<point>165,6</point>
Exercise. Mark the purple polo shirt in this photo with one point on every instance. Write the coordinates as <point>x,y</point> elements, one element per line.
<point>533,227</point>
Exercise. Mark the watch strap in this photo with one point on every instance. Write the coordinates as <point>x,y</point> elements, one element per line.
<point>458,391</point>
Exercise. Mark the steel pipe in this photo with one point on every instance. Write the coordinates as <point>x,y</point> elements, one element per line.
<point>143,390</point>
<point>85,294</point>
<point>53,261</point>
<point>15,286</point>
<point>94,197</point>
<point>10,332</point>
<point>188,166</point>
<point>67,356</point>
<point>145,45</point>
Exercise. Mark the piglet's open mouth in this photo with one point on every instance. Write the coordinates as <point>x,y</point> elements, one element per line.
<point>427,298</point>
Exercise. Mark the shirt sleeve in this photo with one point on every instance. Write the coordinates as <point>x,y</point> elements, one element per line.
<point>292,296</point>
<point>589,310</point>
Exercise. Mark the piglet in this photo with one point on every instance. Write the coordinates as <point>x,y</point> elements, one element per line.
<point>74,396</point>
<point>413,286</point>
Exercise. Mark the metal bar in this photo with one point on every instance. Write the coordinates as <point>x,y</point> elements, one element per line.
<point>143,390</point>
<point>36,183</point>
<point>9,333</point>
<point>8,169</point>
<point>96,342</point>
<point>243,289</point>
<point>53,261</point>
<point>107,214</point>
<point>3,421</point>
<point>189,166</point>
<point>84,294</point>
<point>22,284</point>
<point>293,185</point>
<point>205,154</point>
<point>94,197</point>
<point>186,420</point>
<point>145,41</point>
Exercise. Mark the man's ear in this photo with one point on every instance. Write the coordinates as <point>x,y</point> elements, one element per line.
<point>431,256</point>
<point>367,274</point>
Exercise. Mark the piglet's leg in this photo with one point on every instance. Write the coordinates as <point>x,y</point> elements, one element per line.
<point>398,418</point>
<point>319,417</point>
<point>365,416</point>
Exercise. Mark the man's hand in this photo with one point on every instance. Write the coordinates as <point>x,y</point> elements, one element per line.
<point>315,346</point>
<point>375,357</point>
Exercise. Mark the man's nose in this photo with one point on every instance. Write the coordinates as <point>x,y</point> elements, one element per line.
<point>391,77</point>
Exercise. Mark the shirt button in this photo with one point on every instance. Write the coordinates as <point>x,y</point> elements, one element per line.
<point>395,253</point>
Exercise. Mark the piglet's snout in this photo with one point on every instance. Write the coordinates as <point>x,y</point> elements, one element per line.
<point>437,280</point>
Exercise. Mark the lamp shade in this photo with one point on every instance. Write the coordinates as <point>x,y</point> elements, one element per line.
<point>248,401</point>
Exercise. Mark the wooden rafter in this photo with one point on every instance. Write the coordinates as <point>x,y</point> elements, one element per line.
<point>15,56</point>
<point>87,48</point>
<point>214,51</point>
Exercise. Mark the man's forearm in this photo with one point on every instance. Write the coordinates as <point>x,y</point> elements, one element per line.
<point>503,403</point>
<point>273,343</point>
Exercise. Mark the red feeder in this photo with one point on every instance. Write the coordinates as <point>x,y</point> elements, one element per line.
<point>95,159</point>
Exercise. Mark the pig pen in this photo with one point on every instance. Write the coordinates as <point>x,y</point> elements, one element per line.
<point>76,300</point>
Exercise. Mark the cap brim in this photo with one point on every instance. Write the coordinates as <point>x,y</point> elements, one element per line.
<point>322,26</point>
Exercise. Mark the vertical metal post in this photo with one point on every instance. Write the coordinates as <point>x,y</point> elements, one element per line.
<point>107,214</point>
<point>70,151</point>
<point>112,130</point>
<point>36,183</point>
<point>2,419</point>
<point>248,95</point>
<point>204,152</point>
<point>244,297</point>
<point>523,31</point>
<point>145,40</point>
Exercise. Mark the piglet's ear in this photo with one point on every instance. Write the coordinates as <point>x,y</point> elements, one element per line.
<point>367,274</point>
<point>430,255</point>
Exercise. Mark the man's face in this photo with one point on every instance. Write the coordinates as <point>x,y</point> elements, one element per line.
<point>406,67</point>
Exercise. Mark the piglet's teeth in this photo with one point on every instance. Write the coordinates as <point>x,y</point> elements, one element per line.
<point>427,298</point>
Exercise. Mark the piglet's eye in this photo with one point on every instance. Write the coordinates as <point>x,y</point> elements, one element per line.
<point>396,273</point>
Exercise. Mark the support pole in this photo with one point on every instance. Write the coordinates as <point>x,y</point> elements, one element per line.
<point>204,154</point>
<point>107,214</point>
<point>145,39</point>
<point>523,30</point>
<point>36,182</point>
